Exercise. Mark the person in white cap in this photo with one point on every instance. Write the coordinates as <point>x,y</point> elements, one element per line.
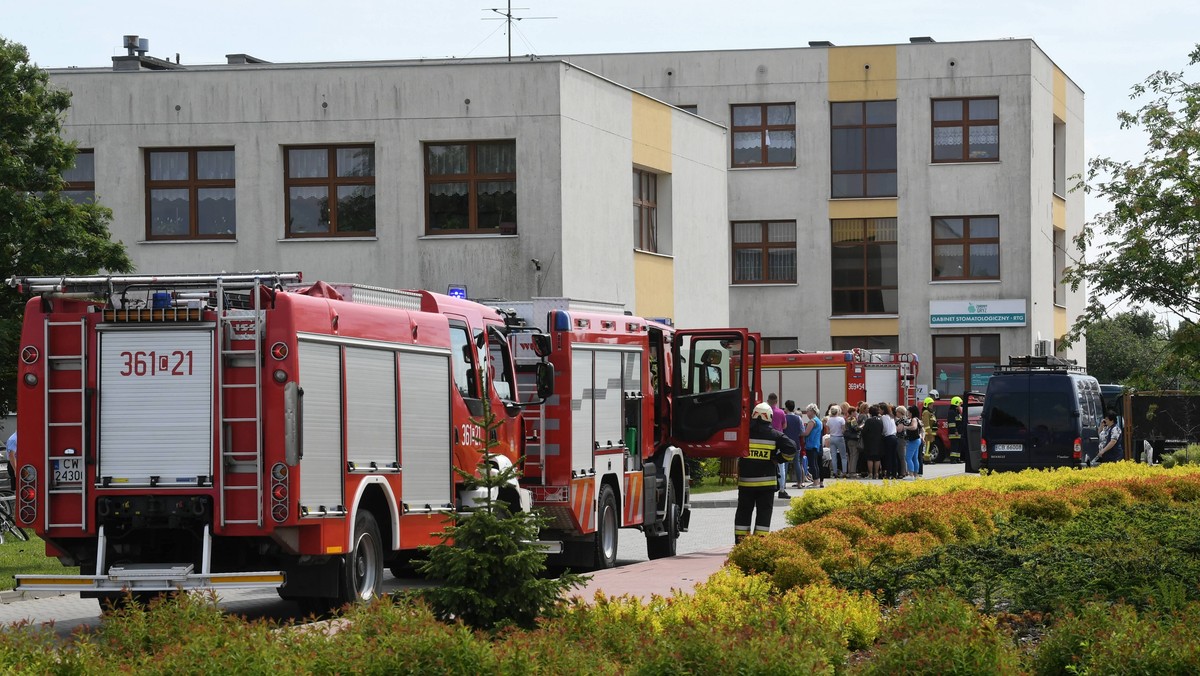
<point>758,474</point>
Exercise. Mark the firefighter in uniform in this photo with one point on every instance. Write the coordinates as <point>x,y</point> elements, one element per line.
<point>955,426</point>
<point>758,473</point>
<point>929,422</point>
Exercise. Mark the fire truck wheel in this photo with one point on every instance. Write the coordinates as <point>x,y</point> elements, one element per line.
<point>606,529</point>
<point>939,453</point>
<point>362,570</point>
<point>665,545</point>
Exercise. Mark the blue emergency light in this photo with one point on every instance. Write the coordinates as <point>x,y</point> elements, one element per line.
<point>457,291</point>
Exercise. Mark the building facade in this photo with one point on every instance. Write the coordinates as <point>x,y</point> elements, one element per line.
<point>514,180</point>
<point>910,197</point>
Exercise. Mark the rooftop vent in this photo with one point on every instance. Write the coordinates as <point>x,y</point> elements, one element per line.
<point>921,40</point>
<point>242,59</point>
<point>819,43</point>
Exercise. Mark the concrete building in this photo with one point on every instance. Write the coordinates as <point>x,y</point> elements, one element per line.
<point>910,197</point>
<point>513,179</point>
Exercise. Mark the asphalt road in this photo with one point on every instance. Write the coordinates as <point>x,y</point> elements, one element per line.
<point>711,527</point>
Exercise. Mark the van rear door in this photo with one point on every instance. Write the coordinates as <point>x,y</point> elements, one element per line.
<point>1006,421</point>
<point>1054,420</point>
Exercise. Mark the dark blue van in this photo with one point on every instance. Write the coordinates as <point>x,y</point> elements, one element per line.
<point>1040,412</point>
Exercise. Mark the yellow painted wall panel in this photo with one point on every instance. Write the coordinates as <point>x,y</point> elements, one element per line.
<point>651,134</point>
<point>876,208</point>
<point>654,285</point>
<point>1058,213</point>
<point>851,80</point>
<point>1060,95</point>
<point>883,326</point>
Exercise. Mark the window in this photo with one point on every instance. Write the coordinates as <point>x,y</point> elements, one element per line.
<point>190,194</point>
<point>764,135</point>
<point>966,247</point>
<point>966,130</point>
<point>471,188</point>
<point>863,149</point>
<point>693,109</point>
<point>864,266</point>
<point>1060,158</point>
<point>962,363</point>
<point>462,352</point>
<point>886,343</point>
<point>330,191</point>
<point>780,345</point>
<point>645,210</point>
<point>764,252</point>
<point>81,178</point>
<point>1060,266</point>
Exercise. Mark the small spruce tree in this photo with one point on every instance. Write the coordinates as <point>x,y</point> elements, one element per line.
<point>490,569</point>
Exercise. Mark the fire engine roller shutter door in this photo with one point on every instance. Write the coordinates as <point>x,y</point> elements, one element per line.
<point>832,388</point>
<point>156,405</point>
<point>370,407</point>
<point>581,409</point>
<point>799,385</point>
<point>882,384</point>
<point>607,395</point>
<point>425,449</point>
<point>321,464</point>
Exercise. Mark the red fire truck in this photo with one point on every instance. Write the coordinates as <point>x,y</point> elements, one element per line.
<point>634,397</point>
<point>246,430</point>
<point>825,378</point>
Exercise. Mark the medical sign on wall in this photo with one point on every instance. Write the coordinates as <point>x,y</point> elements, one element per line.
<point>977,312</point>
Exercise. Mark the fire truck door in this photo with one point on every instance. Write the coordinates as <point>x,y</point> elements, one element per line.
<point>321,475</point>
<point>716,374</point>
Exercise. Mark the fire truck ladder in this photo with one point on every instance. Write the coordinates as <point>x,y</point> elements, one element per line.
<point>239,358</point>
<point>65,417</point>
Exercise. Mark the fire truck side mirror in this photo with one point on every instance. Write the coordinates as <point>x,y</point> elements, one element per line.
<point>545,380</point>
<point>541,344</point>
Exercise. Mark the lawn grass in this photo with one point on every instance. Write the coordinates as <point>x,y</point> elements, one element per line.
<point>26,558</point>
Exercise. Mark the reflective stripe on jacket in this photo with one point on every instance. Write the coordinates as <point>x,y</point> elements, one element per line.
<point>768,447</point>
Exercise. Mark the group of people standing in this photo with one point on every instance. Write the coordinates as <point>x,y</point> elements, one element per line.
<point>885,441</point>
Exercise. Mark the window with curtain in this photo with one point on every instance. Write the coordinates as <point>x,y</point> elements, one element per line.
<point>763,134</point>
<point>764,252</point>
<point>863,149</point>
<point>645,210</point>
<point>885,343</point>
<point>330,191</point>
<point>966,130</point>
<point>864,268</point>
<point>81,178</point>
<point>190,193</point>
<point>471,187</point>
<point>966,247</point>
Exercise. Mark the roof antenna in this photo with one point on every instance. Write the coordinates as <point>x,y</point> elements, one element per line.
<point>506,15</point>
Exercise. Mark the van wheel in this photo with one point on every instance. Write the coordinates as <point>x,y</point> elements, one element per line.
<point>606,529</point>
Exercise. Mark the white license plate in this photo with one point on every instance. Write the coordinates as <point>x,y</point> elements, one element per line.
<point>1008,448</point>
<point>68,471</point>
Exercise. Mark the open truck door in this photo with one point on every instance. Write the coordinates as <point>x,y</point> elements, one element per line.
<point>715,386</point>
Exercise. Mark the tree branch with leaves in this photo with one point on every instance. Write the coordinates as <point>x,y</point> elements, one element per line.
<point>1145,250</point>
<point>42,232</point>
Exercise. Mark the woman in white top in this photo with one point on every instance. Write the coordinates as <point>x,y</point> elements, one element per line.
<point>890,469</point>
<point>835,425</point>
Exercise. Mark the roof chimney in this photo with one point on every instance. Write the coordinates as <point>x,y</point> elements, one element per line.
<point>924,39</point>
<point>819,43</point>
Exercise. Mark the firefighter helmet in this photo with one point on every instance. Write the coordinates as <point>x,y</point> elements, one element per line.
<point>763,411</point>
<point>934,394</point>
<point>955,401</point>
<point>928,402</point>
